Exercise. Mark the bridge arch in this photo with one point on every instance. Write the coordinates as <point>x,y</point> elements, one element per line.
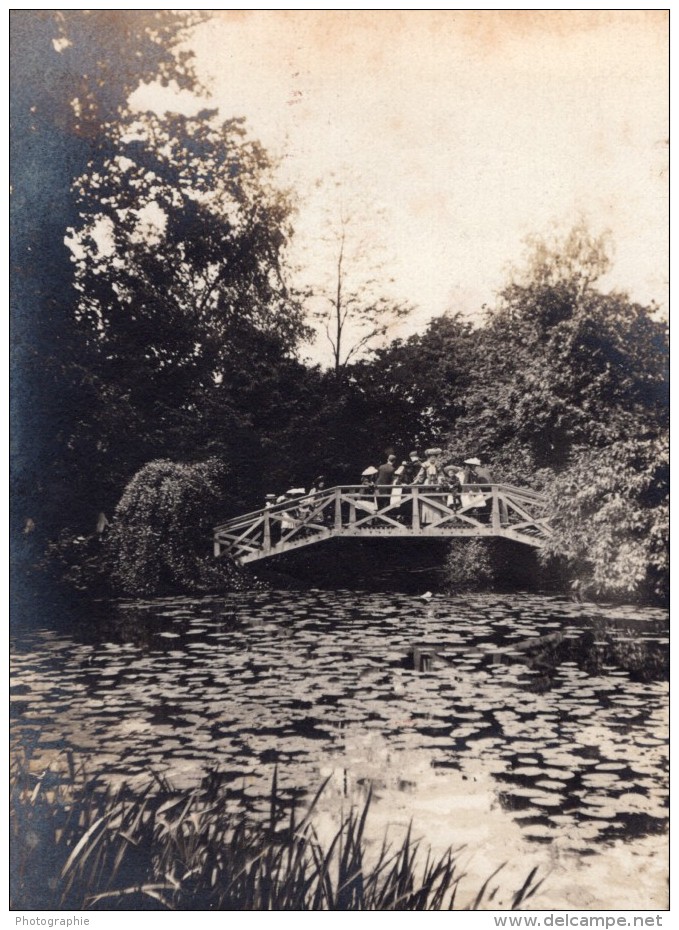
<point>421,511</point>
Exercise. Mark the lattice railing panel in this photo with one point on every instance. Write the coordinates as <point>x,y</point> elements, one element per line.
<point>353,510</point>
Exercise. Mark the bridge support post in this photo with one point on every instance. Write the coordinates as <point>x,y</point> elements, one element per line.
<point>216,548</point>
<point>495,513</point>
<point>416,509</point>
<point>338,508</point>
<point>267,532</point>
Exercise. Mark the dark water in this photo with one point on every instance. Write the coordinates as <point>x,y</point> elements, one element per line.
<point>560,710</point>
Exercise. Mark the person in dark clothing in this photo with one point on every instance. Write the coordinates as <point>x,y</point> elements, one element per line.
<point>481,473</point>
<point>411,469</point>
<point>385,476</point>
<point>452,484</point>
<point>483,477</point>
<point>274,525</point>
<point>318,487</point>
<point>470,466</point>
<point>385,473</point>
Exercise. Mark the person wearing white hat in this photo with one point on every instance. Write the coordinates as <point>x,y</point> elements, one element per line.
<point>470,470</point>
<point>475,473</point>
<point>368,501</point>
<point>287,521</point>
<point>431,471</point>
<point>289,516</point>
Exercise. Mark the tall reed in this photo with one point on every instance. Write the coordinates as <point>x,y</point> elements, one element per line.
<point>78,846</point>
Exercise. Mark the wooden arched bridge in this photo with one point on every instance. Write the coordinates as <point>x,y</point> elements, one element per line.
<point>405,511</point>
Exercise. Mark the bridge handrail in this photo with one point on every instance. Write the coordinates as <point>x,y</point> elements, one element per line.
<point>246,518</point>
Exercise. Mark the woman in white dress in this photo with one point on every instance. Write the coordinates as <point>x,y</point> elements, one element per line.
<point>367,500</point>
<point>397,487</point>
<point>430,474</point>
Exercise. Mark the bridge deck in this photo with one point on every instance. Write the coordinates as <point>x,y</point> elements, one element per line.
<point>407,511</point>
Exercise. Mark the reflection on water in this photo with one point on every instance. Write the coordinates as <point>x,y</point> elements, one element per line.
<point>553,714</point>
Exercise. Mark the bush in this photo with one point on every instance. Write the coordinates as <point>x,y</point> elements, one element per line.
<point>161,530</point>
<point>469,565</point>
<point>82,562</point>
<point>610,517</point>
<point>492,564</point>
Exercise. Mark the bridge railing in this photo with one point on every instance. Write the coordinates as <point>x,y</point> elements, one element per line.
<point>386,510</point>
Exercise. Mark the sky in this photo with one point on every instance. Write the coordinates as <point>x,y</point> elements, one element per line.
<point>459,134</point>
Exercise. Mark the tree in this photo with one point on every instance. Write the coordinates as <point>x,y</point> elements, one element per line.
<point>184,306</point>
<point>561,364</point>
<point>416,386</point>
<point>570,393</point>
<point>351,302</point>
<point>72,72</point>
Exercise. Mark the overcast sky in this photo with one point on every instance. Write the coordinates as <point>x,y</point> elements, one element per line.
<point>471,130</point>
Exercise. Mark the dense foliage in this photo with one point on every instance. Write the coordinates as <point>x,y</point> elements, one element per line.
<point>610,515</point>
<point>72,74</point>
<point>569,393</point>
<point>183,305</point>
<point>153,321</point>
<point>160,534</point>
<point>561,364</point>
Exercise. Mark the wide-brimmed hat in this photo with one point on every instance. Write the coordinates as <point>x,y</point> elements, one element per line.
<point>415,454</point>
<point>295,492</point>
<point>450,469</point>
<point>433,451</point>
<point>370,470</point>
<point>472,461</point>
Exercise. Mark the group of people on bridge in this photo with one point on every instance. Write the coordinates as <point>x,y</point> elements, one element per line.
<point>430,472</point>
<point>460,482</point>
<point>384,486</point>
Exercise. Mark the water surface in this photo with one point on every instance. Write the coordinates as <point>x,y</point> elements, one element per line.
<point>526,716</point>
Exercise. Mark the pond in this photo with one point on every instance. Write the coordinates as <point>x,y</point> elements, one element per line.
<point>521,727</point>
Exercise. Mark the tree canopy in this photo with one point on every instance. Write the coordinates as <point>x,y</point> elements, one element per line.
<point>183,302</point>
<point>569,392</point>
<point>563,364</point>
<point>72,74</point>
